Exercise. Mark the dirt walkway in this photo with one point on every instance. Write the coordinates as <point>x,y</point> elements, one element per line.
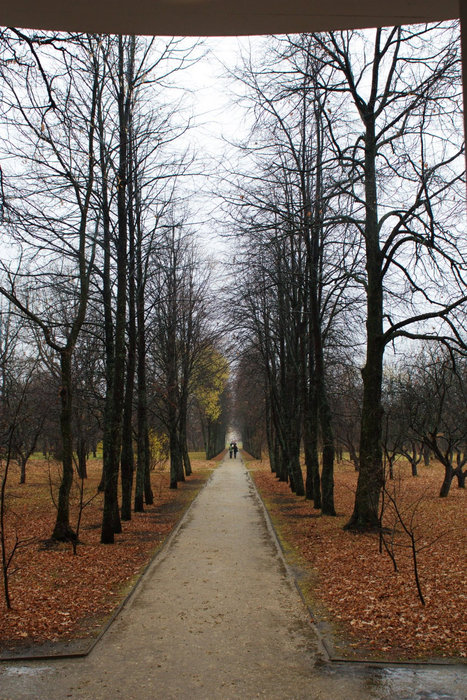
<point>217,616</point>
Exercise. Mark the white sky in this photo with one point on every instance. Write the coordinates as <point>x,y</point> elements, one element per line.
<point>219,121</point>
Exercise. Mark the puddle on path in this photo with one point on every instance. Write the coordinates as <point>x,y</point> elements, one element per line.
<point>32,670</point>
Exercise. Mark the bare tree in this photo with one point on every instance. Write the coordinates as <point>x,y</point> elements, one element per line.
<point>436,385</point>
<point>11,407</point>
<point>48,213</point>
<point>405,181</point>
<point>180,336</point>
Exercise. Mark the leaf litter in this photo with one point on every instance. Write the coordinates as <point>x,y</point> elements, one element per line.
<point>56,595</point>
<point>369,609</point>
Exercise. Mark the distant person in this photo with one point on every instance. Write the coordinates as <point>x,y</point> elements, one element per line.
<point>235,449</point>
<point>231,449</point>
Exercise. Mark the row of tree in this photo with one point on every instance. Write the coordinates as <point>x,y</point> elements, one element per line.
<point>101,278</point>
<point>350,226</point>
<point>424,399</point>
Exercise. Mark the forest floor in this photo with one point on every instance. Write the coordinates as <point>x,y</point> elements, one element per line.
<point>363,606</point>
<point>217,615</point>
<point>57,595</point>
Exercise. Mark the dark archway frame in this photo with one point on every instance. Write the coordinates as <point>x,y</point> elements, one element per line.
<point>230,17</point>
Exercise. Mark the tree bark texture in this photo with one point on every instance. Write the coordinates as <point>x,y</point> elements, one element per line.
<point>111,517</point>
<point>365,515</point>
<point>62,530</point>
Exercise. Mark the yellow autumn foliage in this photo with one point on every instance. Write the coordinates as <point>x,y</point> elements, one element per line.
<point>158,449</point>
<point>209,382</point>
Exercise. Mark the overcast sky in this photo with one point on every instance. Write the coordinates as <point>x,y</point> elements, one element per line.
<point>219,121</point>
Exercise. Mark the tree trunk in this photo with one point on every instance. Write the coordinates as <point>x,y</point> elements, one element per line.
<point>210,439</point>
<point>327,434</point>
<point>340,451</point>
<point>293,458</point>
<point>324,411</point>
<point>63,530</point>
<point>22,463</point>
<point>107,299</point>
<point>111,516</point>
<point>313,479</point>
<point>354,458</point>
<point>142,468</point>
<point>175,458</point>
<point>426,455</point>
<point>365,515</point>
<point>127,456</point>
<point>183,440</point>
<point>186,458</point>
<point>311,455</point>
<point>310,419</point>
<point>276,458</point>
<point>82,455</point>
<point>270,437</point>
<point>148,494</point>
<point>447,481</point>
<point>327,472</point>
<point>143,463</point>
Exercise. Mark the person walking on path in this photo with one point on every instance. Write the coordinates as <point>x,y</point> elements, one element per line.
<point>235,450</point>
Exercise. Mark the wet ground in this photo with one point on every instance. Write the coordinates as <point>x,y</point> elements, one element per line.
<point>217,615</point>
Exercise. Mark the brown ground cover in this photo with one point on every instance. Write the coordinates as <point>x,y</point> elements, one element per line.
<point>57,595</point>
<point>367,608</point>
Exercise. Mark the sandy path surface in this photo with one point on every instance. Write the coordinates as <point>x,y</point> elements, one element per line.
<point>218,616</point>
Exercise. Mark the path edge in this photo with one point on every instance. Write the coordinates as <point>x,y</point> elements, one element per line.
<point>324,642</point>
<point>87,647</point>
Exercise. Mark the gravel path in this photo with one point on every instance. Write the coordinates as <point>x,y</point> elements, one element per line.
<point>217,616</point>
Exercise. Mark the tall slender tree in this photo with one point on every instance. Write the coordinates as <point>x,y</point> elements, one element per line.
<point>400,171</point>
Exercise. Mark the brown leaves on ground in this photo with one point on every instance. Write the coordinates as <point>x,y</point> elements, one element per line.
<point>58,596</point>
<point>372,610</point>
